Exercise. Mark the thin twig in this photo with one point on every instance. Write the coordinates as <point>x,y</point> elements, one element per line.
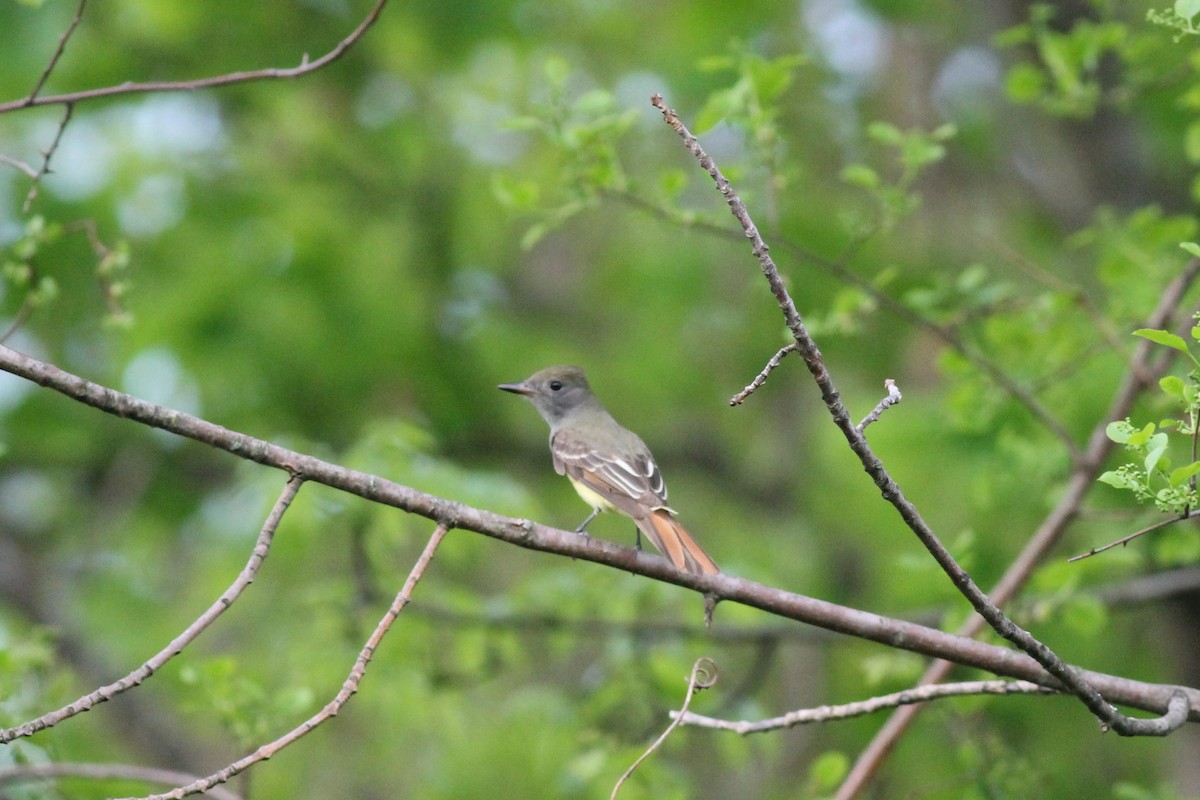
<point>946,334</point>
<point>704,675</point>
<point>349,686</point>
<point>18,319</point>
<point>58,51</point>
<point>48,154</point>
<point>306,66</point>
<point>18,165</point>
<point>893,397</point>
<point>262,548</point>
<point>1087,694</point>
<point>741,396</point>
<point>1124,540</point>
<point>920,694</point>
<point>105,772</point>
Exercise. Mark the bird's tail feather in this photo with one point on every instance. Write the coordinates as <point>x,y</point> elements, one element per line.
<point>674,542</point>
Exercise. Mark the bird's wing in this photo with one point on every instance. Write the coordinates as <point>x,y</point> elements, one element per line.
<point>631,481</point>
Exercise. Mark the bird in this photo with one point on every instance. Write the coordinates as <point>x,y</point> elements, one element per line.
<point>610,466</point>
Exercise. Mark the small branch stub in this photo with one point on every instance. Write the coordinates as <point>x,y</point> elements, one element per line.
<point>761,378</point>
<point>893,397</point>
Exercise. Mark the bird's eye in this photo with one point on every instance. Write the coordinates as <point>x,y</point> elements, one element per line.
<point>555,385</point>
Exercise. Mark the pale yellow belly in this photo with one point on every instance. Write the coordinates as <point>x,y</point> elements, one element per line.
<point>591,497</point>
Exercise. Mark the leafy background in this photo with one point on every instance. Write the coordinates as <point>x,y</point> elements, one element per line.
<point>349,263</point>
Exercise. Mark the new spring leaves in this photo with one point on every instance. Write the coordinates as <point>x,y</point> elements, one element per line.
<point>1152,478</point>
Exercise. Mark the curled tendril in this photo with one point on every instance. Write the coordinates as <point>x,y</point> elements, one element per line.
<point>704,674</point>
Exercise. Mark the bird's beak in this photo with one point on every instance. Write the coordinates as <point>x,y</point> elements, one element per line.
<point>517,388</point>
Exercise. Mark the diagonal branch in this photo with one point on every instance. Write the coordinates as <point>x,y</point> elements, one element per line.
<point>47,155</point>
<point>271,73</point>
<point>524,533</point>
<point>58,51</point>
<point>891,491</point>
<point>261,548</point>
<point>946,334</point>
<point>1141,374</point>
<point>349,686</point>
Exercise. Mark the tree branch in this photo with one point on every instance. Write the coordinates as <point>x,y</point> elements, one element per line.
<point>131,87</point>
<point>259,554</point>
<point>891,491</point>
<point>893,397</point>
<point>1140,375</point>
<point>349,687</point>
<point>104,772</point>
<point>946,334</point>
<point>58,51</point>
<point>524,533</point>
<point>807,716</point>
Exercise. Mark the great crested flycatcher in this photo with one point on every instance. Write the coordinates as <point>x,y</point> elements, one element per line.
<point>610,467</point>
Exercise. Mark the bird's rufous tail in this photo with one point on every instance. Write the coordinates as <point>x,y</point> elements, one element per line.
<point>674,542</point>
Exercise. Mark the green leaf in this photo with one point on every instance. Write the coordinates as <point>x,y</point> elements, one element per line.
<point>860,175</point>
<point>1191,247</point>
<point>1119,431</point>
<point>1181,475</point>
<point>1165,338</point>
<point>1172,386</point>
<point>885,133</point>
<point>1187,8</point>
<point>1118,480</point>
<point>722,104</point>
<point>1141,437</point>
<point>1025,83</point>
<point>1155,450</point>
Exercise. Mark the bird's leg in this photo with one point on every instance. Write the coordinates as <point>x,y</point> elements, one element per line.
<point>638,541</point>
<point>582,529</point>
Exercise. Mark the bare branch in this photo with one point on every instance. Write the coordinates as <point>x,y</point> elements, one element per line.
<point>1140,375</point>
<point>920,694</point>
<point>946,334</point>
<point>704,675</point>
<point>103,772</point>
<point>46,156</point>
<point>18,165</point>
<point>18,319</point>
<point>524,533</point>
<point>1171,721</point>
<point>1124,540</point>
<point>893,397</point>
<point>1088,695</point>
<point>261,548</point>
<point>349,686</point>
<point>58,51</point>
<point>306,66</point>
<point>741,396</point>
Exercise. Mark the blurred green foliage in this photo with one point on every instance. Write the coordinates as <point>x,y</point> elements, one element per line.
<point>348,264</point>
